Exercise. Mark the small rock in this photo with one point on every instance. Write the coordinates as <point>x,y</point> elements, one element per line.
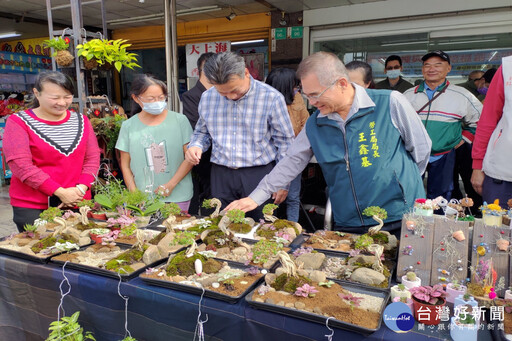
<point>84,240</point>
<point>270,278</point>
<point>264,272</point>
<point>299,305</point>
<point>309,310</point>
<point>201,247</point>
<point>317,276</point>
<point>302,272</point>
<point>32,243</point>
<point>178,278</point>
<point>239,251</point>
<point>362,259</point>
<point>257,299</point>
<point>268,264</point>
<point>392,242</point>
<point>280,303</point>
<point>137,266</point>
<point>291,232</point>
<point>279,271</point>
<point>317,310</point>
<point>269,301</point>
<point>284,293</point>
<point>223,251</point>
<point>216,285</point>
<point>207,281</point>
<point>367,276</point>
<point>84,233</point>
<point>289,305</point>
<point>243,282</point>
<point>151,255</point>
<point>164,244</point>
<point>311,260</point>
<point>103,249</point>
<point>21,241</point>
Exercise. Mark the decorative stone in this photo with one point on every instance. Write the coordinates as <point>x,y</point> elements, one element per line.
<point>84,241</point>
<point>269,301</point>
<point>289,305</point>
<point>151,255</point>
<point>318,276</point>
<point>311,260</point>
<point>257,299</point>
<point>216,285</point>
<point>300,305</point>
<point>367,276</point>
<point>362,259</point>
<point>317,310</point>
<point>502,244</point>
<point>223,251</point>
<point>280,303</point>
<point>240,251</point>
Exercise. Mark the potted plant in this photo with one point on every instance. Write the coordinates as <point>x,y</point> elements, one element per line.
<point>95,234</point>
<point>400,290</point>
<point>62,56</point>
<point>492,214</point>
<point>426,300</point>
<point>68,329</point>
<point>425,207</point>
<point>453,290</point>
<point>405,300</point>
<point>465,299</point>
<point>112,52</point>
<point>464,326</point>
<point>508,293</point>
<point>410,280</point>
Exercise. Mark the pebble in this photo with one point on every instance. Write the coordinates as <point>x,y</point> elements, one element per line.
<point>243,282</point>
<point>269,301</point>
<point>264,272</point>
<point>280,303</point>
<point>216,285</point>
<point>257,299</point>
<point>290,305</point>
<point>300,305</point>
<point>317,310</point>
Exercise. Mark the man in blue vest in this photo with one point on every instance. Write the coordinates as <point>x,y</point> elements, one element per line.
<point>371,145</point>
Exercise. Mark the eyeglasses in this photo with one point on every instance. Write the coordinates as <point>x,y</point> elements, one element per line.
<point>396,67</point>
<point>317,97</point>
<point>153,99</point>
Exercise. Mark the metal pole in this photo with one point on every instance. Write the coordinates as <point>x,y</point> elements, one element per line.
<point>105,36</point>
<point>171,53</point>
<point>77,35</point>
<point>50,28</point>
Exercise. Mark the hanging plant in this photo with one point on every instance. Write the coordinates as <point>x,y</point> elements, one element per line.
<point>62,56</point>
<point>108,52</point>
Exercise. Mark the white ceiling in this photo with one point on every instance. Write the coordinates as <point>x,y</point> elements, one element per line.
<point>29,17</point>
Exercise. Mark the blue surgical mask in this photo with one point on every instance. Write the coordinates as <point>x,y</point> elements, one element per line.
<point>392,74</point>
<point>154,108</point>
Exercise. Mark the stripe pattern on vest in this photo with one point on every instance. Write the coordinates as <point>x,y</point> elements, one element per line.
<point>63,137</point>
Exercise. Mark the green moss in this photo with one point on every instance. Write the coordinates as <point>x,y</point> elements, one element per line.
<point>380,238</point>
<point>467,218</point>
<point>156,239</point>
<point>475,289</point>
<point>182,265</point>
<point>289,283</point>
<point>43,244</point>
<point>362,242</point>
<point>82,227</point>
<point>280,224</point>
<point>124,260</point>
<point>266,233</point>
<point>215,236</point>
<point>240,228</point>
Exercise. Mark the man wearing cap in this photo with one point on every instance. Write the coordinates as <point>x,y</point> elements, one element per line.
<point>393,68</point>
<point>449,114</point>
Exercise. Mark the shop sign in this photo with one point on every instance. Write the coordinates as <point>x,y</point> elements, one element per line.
<point>26,63</point>
<point>295,32</point>
<point>194,51</point>
<point>280,33</point>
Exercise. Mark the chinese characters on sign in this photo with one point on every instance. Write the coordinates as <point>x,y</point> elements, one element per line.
<point>364,150</point>
<point>193,52</point>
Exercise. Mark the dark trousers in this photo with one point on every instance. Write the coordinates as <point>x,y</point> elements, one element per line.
<point>22,216</point>
<point>230,184</point>
<point>463,167</point>
<point>393,227</point>
<point>440,177</point>
<point>202,187</point>
<point>493,189</point>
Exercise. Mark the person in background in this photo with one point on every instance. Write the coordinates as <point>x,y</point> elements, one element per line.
<point>486,81</point>
<point>475,80</point>
<point>394,81</point>
<point>247,125</point>
<point>286,82</point>
<point>52,152</point>
<point>370,144</point>
<point>492,169</point>
<point>201,172</point>
<point>360,73</point>
<point>153,144</point>
<point>449,113</point>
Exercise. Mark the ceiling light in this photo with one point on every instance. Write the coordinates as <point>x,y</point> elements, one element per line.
<point>248,42</point>
<point>466,41</point>
<point>282,22</point>
<point>9,35</point>
<point>188,11</point>
<point>405,43</point>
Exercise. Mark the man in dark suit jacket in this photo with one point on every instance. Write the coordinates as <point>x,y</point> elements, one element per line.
<point>201,172</point>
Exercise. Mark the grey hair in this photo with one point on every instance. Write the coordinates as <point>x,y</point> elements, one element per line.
<point>221,67</point>
<point>325,65</point>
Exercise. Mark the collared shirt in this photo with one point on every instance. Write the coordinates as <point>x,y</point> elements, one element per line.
<point>430,93</point>
<point>251,131</point>
<point>299,154</point>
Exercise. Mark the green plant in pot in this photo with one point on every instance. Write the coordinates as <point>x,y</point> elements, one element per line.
<point>111,52</point>
<point>62,56</point>
<point>68,329</point>
<point>426,299</point>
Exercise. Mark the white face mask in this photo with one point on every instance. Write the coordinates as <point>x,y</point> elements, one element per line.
<point>392,74</point>
<point>154,108</point>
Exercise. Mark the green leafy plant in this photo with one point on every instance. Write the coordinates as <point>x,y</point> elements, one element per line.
<point>184,238</point>
<point>129,230</point>
<point>236,216</point>
<point>30,228</point>
<point>263,250</point>
<point>375,211</point>
<point>148,211</point>
<point>129,338</point>
<point>401,287</point>
<point>108,51</point>
<point>363,241</point>
<point>68,329</point>
<point>269,208</point>
<point>83,203</point>
<point>50,214</point>
<point>170,208</point>
<point>58,44</point>
<point>207,203</point>
<point>108,128</point>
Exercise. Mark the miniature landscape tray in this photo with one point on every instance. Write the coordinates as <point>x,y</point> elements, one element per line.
<point>320,318</point>
<point>198,291</point>
<point>341,255</point>
<point>105,272</point>
<point>26,256</point>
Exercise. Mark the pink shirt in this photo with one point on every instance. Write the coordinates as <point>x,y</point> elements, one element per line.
<point>45,155</point>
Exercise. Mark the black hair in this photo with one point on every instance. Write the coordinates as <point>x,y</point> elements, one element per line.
<point>140,85</point>
<point>391,58</point>
<point>202,59</point>
<point>367,69</point>
<point>283,80</point>
<point>55,77</point>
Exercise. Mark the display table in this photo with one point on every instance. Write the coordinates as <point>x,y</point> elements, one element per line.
<point>29,296</point>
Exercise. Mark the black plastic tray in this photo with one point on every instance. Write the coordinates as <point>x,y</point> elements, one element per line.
<point>26,256</point>
<point>320,318</point>
<point>105,272</point>
<point>340,255</point>
<point>198,291</point>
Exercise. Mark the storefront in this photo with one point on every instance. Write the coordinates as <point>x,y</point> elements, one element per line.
<point>475,37</point>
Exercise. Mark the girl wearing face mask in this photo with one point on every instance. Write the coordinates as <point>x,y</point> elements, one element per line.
<point>153,144</point>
